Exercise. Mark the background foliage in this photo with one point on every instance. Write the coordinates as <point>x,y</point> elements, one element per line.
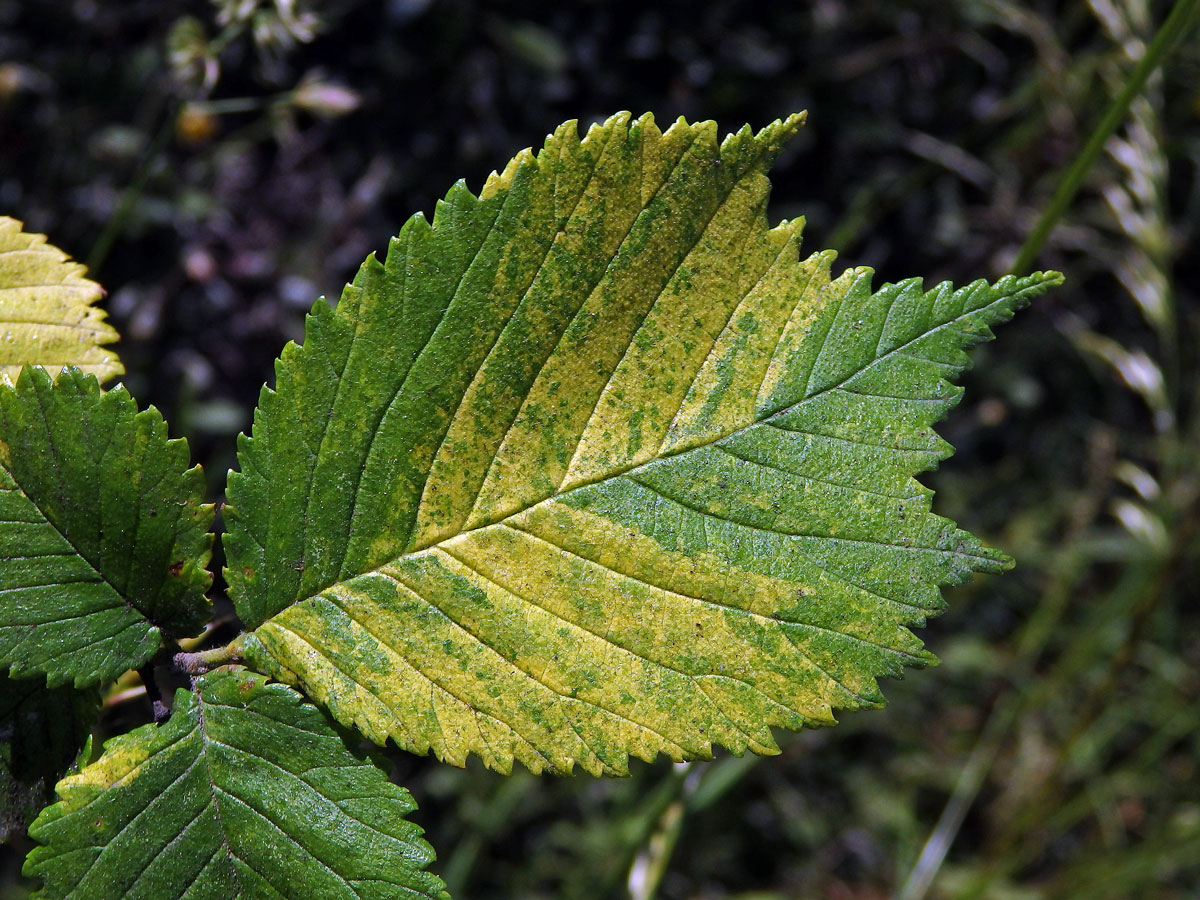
<point>220,164</point>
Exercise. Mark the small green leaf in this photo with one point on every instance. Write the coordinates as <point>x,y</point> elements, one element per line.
<point>103,530</point>
<point>246,792</point>
<point>595,465</point>
<point>41,733</point>
<point>46,312</point>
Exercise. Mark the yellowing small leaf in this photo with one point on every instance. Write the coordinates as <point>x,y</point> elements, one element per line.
<point>47,316</point>
<point>597,465</point>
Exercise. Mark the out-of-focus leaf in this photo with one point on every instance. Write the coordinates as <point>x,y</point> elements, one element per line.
<point>41,733</point>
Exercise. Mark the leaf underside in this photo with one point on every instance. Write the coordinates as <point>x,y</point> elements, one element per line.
<point>46,312</point>
<point>41,733</point>
<point>246,792</point>
<point>103,531</point>
<point>596,465</point>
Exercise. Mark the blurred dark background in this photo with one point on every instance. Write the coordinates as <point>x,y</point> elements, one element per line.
<point>221,164</point>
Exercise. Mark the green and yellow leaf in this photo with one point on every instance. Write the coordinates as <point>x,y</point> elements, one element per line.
<point>47,316</point>
<point>103,531</point>
<point>246,792</point>
<point>597,465</point>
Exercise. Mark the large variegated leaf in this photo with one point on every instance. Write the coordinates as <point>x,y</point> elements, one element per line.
<point>103,530</point>
<point>596,465</point>
<point>46,312</point>
<point>42,731</point>
<point>245,793</point>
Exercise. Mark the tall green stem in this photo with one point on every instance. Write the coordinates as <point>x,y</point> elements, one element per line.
<point>1182,17</point>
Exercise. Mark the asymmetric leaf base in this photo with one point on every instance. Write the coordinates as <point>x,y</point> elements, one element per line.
<point>597,465</point>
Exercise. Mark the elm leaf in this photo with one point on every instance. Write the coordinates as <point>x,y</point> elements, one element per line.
<point>103,531</point>
<point>47,316</point>
<point>246,792</point>
<point>596,465</point>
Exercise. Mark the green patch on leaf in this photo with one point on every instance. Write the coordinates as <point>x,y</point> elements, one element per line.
<point>103,531</point>
<point>601,434</point>
<point>245,792</point>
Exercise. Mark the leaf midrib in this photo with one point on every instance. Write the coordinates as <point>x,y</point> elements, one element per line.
<point>100,576</point>
<point>129,603</point>
<point>633,469</point>
<point>1013,297</point>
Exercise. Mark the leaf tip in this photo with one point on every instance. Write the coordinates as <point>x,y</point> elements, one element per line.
<point>783,130</point>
